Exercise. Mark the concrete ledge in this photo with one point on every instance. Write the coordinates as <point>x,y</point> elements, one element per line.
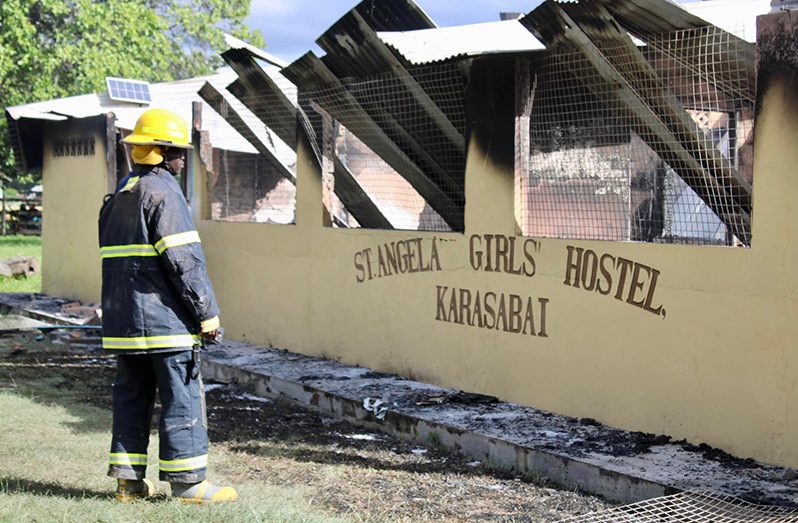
<point>621,466</point>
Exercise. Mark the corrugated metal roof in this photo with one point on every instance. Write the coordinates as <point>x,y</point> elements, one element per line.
<point>351,43</point>
<point>176,96</point>
<point>445,43</point>
<point>651,16</point>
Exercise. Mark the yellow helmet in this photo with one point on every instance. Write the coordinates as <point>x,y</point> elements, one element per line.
<point>160,127</point>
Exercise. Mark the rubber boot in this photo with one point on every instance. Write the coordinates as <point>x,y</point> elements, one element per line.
<point>203,492</point>
<point>133,489</point>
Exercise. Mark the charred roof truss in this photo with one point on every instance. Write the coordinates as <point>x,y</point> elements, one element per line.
<point>620,74</point>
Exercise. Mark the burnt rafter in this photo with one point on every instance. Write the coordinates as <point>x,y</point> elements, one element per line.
<point>351,194</point>
<point>686,38</point>
<point>310,74</point>
<point>622,74</point>
<point>649,20</point>
<point>356,201</point>
<point>219,103</point>
<point>355,51</point>
<point>394,15</point>
<point>261,95</point>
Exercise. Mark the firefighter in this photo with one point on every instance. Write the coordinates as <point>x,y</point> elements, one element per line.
<point>157,304</point>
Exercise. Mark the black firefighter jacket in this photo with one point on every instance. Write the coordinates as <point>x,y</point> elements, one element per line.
<point>155,287</point>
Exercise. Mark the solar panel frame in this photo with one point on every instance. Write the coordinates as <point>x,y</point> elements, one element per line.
<point>126,90</point>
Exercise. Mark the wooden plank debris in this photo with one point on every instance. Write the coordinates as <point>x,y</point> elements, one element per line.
<point>22,266</point>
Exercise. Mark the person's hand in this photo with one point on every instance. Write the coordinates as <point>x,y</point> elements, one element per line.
<point>209,329</point>
<point>210,335</point>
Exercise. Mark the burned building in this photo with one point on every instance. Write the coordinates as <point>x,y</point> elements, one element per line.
<point>588,168</point>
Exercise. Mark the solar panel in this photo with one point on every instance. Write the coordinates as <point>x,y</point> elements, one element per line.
<point>124,90</point>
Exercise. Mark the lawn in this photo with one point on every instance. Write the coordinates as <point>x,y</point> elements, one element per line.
<point>17,245</point>
<point>289,464</point>
<point>54,446</point>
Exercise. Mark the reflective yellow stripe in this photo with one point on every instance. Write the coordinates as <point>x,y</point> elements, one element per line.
<point>181,465</point>
<point>151,342</point>
<point>123,251</point>
<point>131,182</point>
<point>201,490</point>
<point>175,240</point>
<point>123,458</point>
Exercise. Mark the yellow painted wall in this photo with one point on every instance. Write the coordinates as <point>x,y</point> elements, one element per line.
<point>74,190</point>
<point>717,368</point>
<point>717,365</point>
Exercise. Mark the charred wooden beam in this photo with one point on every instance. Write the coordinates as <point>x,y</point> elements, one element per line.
<point>621,73</point>
<point>354,198</point>
<point>654,20</point>
<point>394,15</point>
<point>261,95</point>
<point>219,103</point>
<point>356,201</point>
<point>372,56</point>
<point>311,75</point>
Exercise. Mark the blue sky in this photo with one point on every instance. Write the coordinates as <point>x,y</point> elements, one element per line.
<point>290,27</point>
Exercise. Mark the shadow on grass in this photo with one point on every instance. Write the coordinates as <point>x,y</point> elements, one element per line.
<point>41,488</point>
<point>54,376</point>
<point>85,417</point>
<point>325,457</point>
<point>281,429</point>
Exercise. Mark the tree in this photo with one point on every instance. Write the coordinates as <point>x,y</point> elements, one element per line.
<point>55,48</point>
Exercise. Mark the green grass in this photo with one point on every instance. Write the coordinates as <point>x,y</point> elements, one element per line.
<point>53,451</point>
<point>11,246</point>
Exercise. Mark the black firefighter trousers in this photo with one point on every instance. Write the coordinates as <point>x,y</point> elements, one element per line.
<point>183,455</point>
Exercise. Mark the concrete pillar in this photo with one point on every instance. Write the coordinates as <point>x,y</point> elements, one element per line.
<point>310,212</point>
<point>776,184</point>
<point>490,159</point>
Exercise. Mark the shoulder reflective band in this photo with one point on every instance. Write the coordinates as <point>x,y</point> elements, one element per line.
<point>181,465</point>
<point>175,240</point>
<point>123,251</point>
<point>151,342</point>
<point>131,182</point>
<point>131,460</point>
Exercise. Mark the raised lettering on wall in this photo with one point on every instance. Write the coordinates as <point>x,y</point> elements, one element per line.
<point>623,279</point>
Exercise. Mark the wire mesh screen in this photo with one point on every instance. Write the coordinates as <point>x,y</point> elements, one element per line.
<point>396,199</point>
<point>691,507</point>
<point>249,188</point>
<point>392,148</point>
<point>649,143</point>
<point>273,102</point>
